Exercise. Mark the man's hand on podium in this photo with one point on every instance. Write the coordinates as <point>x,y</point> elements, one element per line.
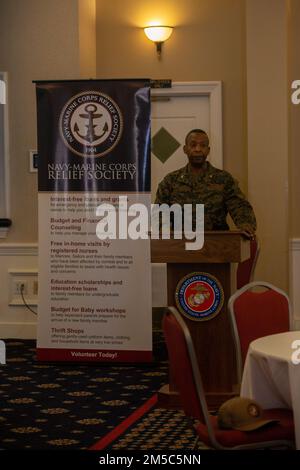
<point>248,231</point>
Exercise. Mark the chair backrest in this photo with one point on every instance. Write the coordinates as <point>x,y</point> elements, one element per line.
<point>184,368</point>
<point>255,314</point>
<point>245,269</point>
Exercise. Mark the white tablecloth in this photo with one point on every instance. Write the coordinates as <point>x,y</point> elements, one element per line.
<point>271,378</point>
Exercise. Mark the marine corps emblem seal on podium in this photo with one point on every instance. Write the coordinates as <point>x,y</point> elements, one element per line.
<point>199,296</point>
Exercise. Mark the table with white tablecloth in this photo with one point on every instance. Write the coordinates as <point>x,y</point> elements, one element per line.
<point>271,377</point>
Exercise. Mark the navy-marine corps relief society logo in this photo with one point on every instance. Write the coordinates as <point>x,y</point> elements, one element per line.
<point>91,124</point>
<point>199,296</point>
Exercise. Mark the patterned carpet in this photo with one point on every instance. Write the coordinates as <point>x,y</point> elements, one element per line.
<point>159,430</point>
<point>70,406</point>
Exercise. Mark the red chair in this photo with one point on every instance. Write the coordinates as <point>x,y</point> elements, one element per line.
<point>186,373</point>
<point>245,269</point>
<point>256,314</point>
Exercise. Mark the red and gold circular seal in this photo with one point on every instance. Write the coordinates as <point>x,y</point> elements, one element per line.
<point>199,296</point>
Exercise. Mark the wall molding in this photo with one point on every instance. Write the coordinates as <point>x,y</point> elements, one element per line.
<point>18,249</point>
<point>18,330</point>
<point>4,156</point>
<point>295,244</point>
<point>31,249</point>
<point>15,320</point>
<point>4,232</point>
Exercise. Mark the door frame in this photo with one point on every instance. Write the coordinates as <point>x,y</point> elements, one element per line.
<point>212,90</point>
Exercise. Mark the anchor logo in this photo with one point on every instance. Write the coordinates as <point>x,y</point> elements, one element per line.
<point>91,114</point>
<point>91,124</point>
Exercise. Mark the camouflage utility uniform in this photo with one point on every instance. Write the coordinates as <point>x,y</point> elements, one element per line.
<point>214,188</point>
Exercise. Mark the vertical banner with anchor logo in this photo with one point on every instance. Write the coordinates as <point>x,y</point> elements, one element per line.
<point>94,164</point>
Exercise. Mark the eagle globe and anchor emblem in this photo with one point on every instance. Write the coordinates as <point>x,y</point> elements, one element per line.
<point>199,296</point>
<point>91,115</point>
<point>91,124</point>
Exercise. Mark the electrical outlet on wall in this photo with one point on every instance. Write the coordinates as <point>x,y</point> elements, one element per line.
<point>25,281</point>
<point>20,287</point>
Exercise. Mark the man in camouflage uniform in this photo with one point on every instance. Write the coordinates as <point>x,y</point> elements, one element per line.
<point>201,183</point>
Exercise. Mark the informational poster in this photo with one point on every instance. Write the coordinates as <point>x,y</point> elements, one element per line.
<point>94,180</point>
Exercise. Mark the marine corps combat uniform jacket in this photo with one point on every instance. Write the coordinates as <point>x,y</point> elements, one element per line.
<point>216,189</point>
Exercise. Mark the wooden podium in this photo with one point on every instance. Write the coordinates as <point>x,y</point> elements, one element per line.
<point>212,338</point>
